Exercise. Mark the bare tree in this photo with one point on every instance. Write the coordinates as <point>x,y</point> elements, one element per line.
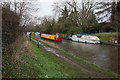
<point>24,9</point>
<point>109,13</point>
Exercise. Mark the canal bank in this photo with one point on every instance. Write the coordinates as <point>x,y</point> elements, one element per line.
<point>85,64</point>
<point>108,38</point>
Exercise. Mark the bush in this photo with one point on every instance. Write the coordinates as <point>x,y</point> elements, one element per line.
<point>10,28</point>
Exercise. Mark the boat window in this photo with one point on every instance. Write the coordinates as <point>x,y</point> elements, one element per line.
<point>85,37</point>
<point>74,36</point>
<point>79,35</point>
<point>90,37</point>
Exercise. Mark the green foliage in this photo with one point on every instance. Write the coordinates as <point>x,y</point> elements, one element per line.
<point>57,28</point>
<point>47,25</point>
<point>73,30</point>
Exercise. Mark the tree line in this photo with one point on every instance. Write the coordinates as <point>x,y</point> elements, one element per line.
<point>75,17</point>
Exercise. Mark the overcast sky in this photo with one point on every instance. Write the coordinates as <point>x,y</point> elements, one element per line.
<point>45,8</point>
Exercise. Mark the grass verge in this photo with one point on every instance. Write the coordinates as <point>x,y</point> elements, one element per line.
<point>108,37</point>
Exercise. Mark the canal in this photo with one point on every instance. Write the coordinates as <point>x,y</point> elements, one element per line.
<point>105,56</point>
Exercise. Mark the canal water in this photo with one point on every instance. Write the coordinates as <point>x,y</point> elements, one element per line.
<point>105,56</point>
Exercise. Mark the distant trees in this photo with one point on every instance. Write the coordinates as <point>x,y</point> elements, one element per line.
<point>46,25</point>
<point>81,17</point>
<point>74,18</point>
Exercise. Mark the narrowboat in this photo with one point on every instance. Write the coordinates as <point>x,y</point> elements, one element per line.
<point>51,37</point>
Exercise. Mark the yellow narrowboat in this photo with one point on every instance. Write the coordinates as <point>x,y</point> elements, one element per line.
<point>50,37</point>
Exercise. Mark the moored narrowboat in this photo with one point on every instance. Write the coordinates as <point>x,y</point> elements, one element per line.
<point>51,37</point>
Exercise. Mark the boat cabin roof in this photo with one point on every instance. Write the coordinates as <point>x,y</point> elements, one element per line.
<point>89,36</point>
<point>48,34</point>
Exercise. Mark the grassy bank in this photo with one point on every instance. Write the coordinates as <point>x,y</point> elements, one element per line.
<point>86,63</point>
<point>108,37</point>
<point>37,63</point>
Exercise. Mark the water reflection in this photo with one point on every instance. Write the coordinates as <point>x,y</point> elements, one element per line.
<point>51,42</point>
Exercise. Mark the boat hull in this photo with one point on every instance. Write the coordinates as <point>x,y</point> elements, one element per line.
<point>59,40</point>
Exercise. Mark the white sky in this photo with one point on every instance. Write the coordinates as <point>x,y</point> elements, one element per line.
<point>45,9</point>
<point>46,6</point>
